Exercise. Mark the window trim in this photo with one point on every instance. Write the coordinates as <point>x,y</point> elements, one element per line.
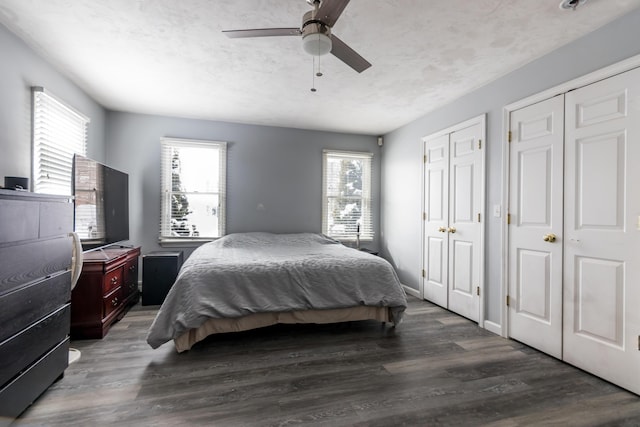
<point>368,234</point>
<point>165,183</point>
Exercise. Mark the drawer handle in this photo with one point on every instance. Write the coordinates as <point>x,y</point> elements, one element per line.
<point>114,301</point>
<point>114,280</point>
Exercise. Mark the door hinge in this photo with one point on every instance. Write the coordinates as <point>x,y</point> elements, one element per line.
<point>479,144</point>
<point>508,301</point>
<point>424,216</point>
<point>508,218</point>
<point>425,158</point>
<point>478,217</point>
<point>509,135</point>
<point>424,274</point>
<point>478,290</point>
<point>638,342</point>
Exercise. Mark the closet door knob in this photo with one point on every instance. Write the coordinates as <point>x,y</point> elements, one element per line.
<point>549,238</point>
<point>442,229</point>
<point>452,230</point>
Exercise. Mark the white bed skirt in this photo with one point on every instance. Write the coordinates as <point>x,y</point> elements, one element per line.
<point>258,320</point>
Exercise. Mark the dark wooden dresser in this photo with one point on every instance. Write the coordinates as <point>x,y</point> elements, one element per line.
<point>35,291</point>
<point>107,288</point>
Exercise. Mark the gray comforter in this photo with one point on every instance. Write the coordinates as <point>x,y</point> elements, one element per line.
<point>247,273</point>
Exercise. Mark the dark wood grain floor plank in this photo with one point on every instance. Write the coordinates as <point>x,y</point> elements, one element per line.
<point>434,369</point>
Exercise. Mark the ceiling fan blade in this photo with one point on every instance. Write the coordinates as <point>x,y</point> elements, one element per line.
<point>262,32</point>
<point>347,55</point>
<point>330,11</point>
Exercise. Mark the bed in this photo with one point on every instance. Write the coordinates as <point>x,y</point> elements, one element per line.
<point>249,280</point>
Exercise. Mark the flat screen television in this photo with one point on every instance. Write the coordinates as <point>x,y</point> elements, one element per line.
<point>101,197</point>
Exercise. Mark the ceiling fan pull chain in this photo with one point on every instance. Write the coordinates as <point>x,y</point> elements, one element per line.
<point>318,73</point>
<point>313,75</point>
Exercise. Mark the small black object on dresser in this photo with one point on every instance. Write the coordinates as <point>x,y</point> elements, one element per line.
<point>159,271</point>
<point>35,293</point>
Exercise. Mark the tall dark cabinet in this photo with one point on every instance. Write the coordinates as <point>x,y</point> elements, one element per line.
<point>35,294</point>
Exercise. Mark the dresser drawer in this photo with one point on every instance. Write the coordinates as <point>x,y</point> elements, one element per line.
<point>111,302</point>
<point>130,283</point>
<point>112,280</point>
<point>23,390</point>
<point>129,289</point>
<point>25,305</point>
<point>55,219</point>
<point>20,350</point>
<point>32,219</point>
<point>26,228</point>
<point>131,271</point>
<point>27,262</point>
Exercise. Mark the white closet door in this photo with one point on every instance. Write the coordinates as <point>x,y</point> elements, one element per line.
<point>453,180</point>
<point>602,232</point>
<point>464,226</point>
<point>535,207</point>
<point>436,241</point>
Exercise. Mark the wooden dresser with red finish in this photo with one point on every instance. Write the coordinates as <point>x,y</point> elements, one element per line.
<point>107,288</point>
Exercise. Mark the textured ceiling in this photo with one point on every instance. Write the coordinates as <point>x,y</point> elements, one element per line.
<point>169,57</point>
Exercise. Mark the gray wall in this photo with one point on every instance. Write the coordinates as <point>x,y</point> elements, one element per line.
<point>21,68</point>
<point>278,167</point>
<point>402,153</point>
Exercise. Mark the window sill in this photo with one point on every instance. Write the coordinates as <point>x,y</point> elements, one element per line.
<point>183,243</point>
<point>352,243</point>
<point>352,240</point>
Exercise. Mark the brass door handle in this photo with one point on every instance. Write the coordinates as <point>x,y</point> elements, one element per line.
<point>442,229</point>
<point>452,230</point>
<point>549,238</point>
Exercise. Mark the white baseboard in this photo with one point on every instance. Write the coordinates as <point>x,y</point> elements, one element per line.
<point>411,291</point>
<point>493,327</point>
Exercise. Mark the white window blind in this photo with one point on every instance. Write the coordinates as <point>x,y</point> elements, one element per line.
<point>193,188</point>
<point>346,195</point>
<point>58,133</point>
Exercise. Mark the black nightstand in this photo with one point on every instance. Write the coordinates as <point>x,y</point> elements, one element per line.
<point>159,271</point>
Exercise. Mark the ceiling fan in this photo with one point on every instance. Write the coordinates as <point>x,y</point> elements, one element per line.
<point>317,38</point>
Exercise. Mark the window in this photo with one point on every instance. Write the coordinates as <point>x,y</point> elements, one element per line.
<point>59,132</point>
<point>193,189</point>
<point>346,195</point>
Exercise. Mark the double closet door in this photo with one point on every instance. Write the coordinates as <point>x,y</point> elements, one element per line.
<point>453,179</point>
<point>574,233</point>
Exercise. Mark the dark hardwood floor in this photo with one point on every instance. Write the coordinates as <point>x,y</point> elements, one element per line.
<point>435,369</point>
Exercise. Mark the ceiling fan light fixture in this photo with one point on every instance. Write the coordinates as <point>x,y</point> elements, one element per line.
<point>316,44</point>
